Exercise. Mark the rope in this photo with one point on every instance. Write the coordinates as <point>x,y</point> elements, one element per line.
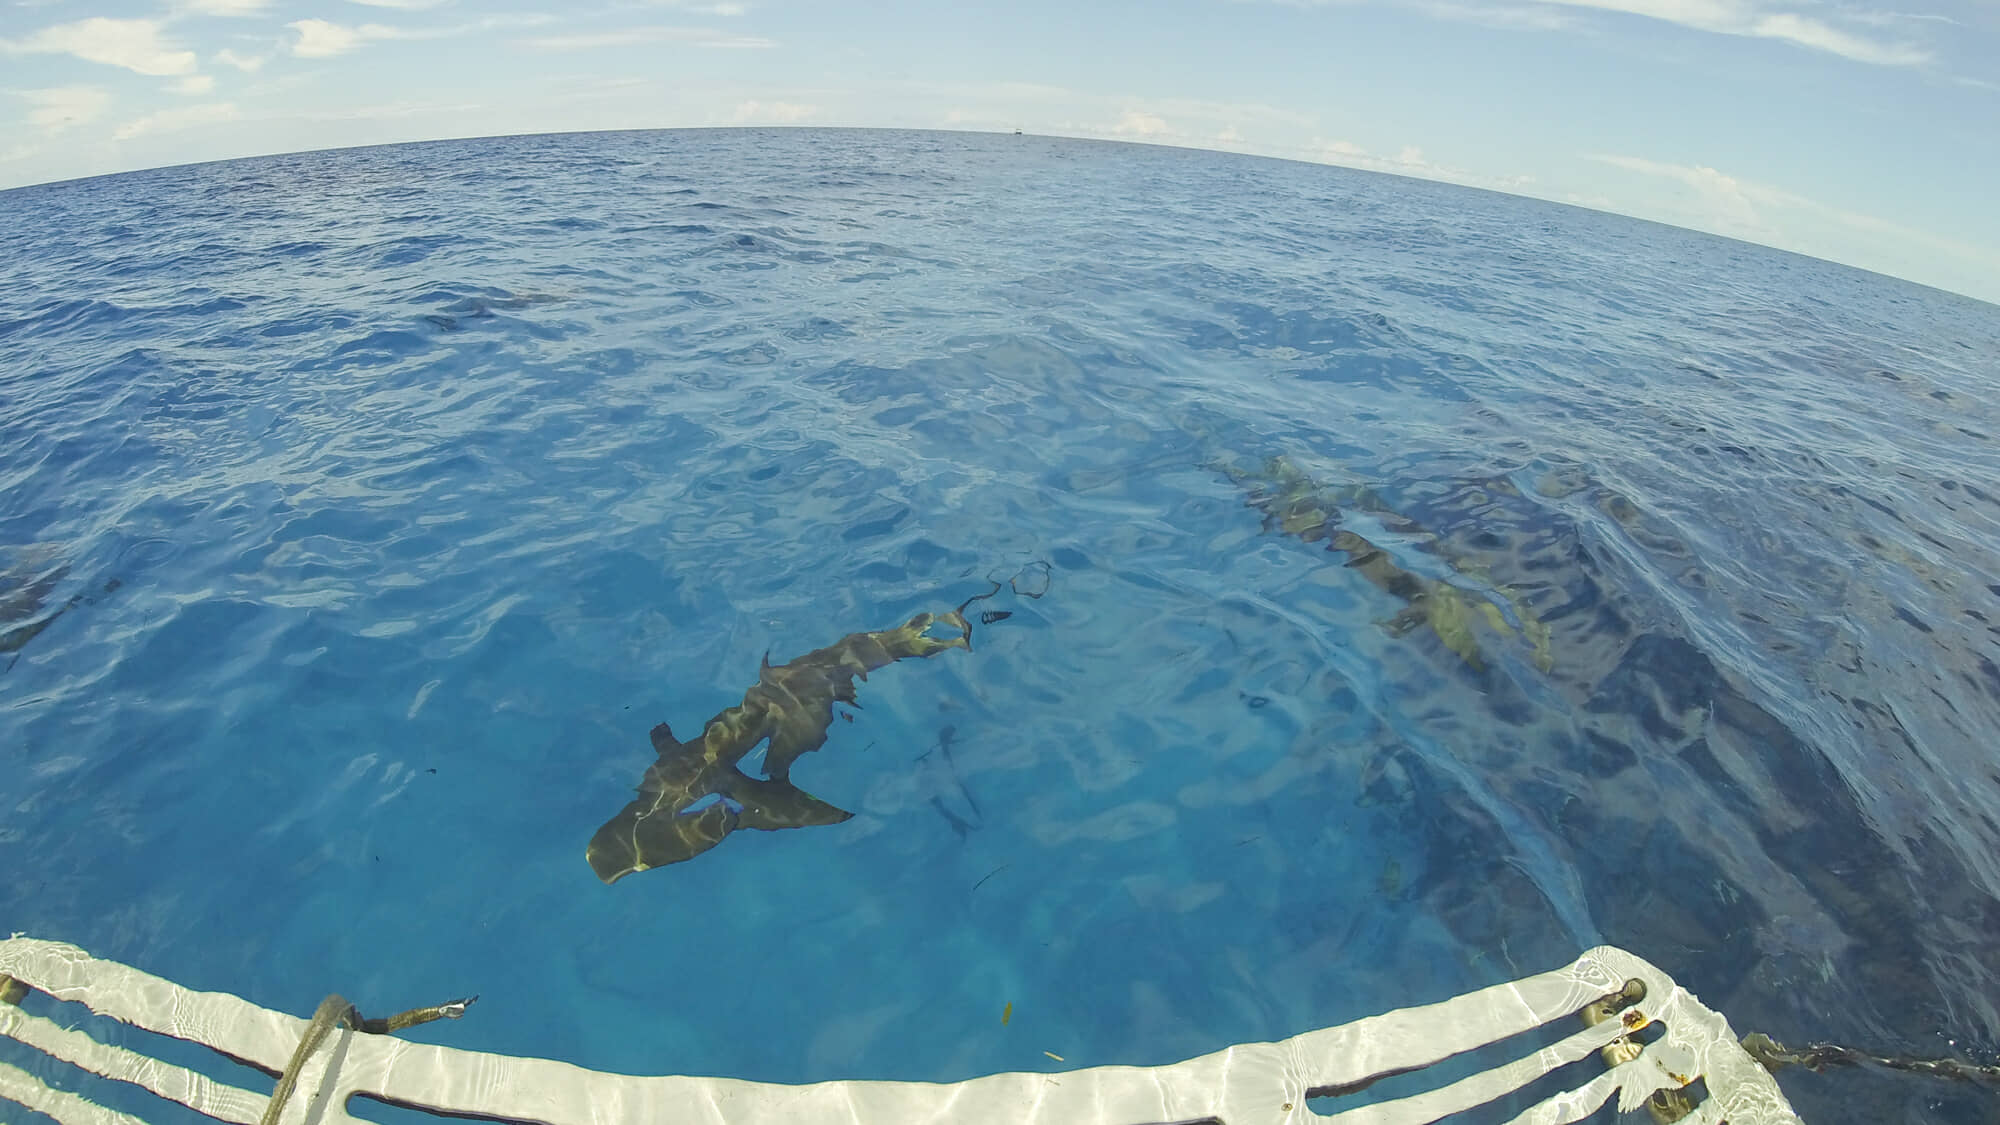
<point>1669,1106</point>
<point>335,1010</point>
<point>1776,1056</point>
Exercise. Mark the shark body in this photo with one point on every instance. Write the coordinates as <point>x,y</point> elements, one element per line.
<point>791,704</point>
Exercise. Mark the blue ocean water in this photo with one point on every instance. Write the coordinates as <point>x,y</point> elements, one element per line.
<point>363,510</point>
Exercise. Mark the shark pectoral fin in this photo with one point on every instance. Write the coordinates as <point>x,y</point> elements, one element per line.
<point>771,805</point>
<point>646,834</point>
<point>797,733</point>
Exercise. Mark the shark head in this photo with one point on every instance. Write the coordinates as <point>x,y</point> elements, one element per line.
<point>646,834</point>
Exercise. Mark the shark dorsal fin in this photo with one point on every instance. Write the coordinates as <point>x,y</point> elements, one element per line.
<point>664,741</point>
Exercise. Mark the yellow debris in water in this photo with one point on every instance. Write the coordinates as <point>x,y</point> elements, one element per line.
<point>1006,1013</point>
<point>1053,1055</point>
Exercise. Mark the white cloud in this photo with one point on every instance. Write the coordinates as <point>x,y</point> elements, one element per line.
<point>1875,18</point>
<point>1812,33</point>
<point>1720,198</point>
<point>780,112</point>
<point>222,7</point>
<point>639,36</point>
<point>321,39</point>
<point>1507,17</point>
<point>170,120</point>
<point>405,5</point>
<point>1138,123</point>
<point>133,44</point>
<point>1744,17</point>
<point>1409,161</point>
<point>1753,18</point>
<point>1785,219</point>
<point>1730,197</point>
<point>63,107</point>
<point>392,111</point>
<point>248,64</point>
<point>724,8</point>
<point>503,21</point>
<point>193,84</point>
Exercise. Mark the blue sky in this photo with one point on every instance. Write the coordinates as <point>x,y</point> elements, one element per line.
<point>1865,132</point>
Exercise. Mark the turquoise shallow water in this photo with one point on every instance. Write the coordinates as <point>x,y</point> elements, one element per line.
<point>362,511</point>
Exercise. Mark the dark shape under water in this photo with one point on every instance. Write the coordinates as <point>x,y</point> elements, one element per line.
<point>24,594</point>
<point>790,704</point>
<point>961,825</point>
<point>1295,504</point>
<point>26,610</point>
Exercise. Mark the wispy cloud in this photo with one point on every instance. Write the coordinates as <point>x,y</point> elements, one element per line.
<point>323,39</point>
<point>1881,18</point>
<point>1139,123</point>
<point>1718,197</point>
<point>171,120</point>
<point>1411,161</point>
<point>1758,19</point>
<point>642,36</point>
<point>319,39</point>
<point>783,113</point>
<point>1507,17</point>
<point>136,45</point>
<point>64,107</point>
<point>391,111</point>
<point>1745,18</point>
<point>236,8</point>
<point>724,8</point>
<point>1764,212</point>
<point>404,5</point>
<point>1181,121</point>
<point>248,64</point>
<point>193,84</point>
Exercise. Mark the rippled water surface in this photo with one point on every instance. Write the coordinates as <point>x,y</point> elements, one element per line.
<point>1437,583</point>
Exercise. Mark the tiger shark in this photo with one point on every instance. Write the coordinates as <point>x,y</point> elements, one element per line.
<point>696,793</point>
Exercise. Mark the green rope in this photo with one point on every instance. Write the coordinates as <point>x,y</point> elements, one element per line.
<point>1776,1056</point>
<point>335,1010</point>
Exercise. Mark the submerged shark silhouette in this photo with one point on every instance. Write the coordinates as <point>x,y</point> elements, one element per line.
<point>790,704</point>
<point>1295,504</point>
